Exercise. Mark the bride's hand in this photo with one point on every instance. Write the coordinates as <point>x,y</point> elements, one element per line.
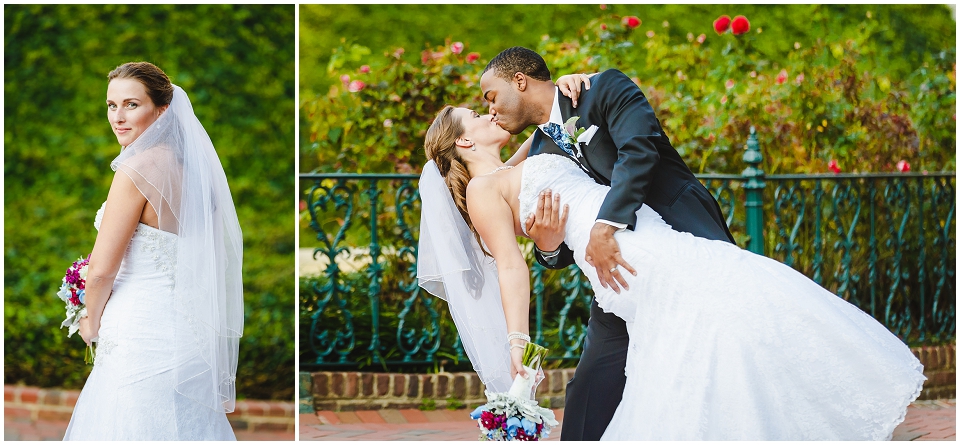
<point>570,85</point>
<point>89,330</point>
<point>516,363</point>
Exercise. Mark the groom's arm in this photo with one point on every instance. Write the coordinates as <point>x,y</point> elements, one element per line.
<point>554,260</point>
<point>633,127</point>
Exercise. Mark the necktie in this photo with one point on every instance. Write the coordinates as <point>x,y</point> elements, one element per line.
<point>560,137</point>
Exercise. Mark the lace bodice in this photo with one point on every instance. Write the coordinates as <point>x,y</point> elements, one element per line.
<point>157,245</point>
<point>584,196</point>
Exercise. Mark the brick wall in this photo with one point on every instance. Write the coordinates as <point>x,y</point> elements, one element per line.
<point>28,403</point>
<point>349,391</point>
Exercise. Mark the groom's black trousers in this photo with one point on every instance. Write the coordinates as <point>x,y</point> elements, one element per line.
<point>597,386</point>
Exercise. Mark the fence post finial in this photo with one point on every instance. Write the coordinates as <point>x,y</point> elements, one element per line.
<point>754,185</point>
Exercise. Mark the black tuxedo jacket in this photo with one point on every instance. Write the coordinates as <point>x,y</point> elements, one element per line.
<point>631,154</point>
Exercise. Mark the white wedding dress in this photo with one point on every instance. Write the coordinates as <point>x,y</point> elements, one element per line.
<point>130,393</point>
<point>729,345</point>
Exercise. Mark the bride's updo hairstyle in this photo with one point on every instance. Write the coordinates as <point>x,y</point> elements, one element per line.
<point>153,79</point>
<point>441,148</point>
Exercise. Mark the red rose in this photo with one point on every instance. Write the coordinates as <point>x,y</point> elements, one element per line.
<point>603,6</point>
<point>472,57</point>
<point>456,47</point>
<point>721,24</point>
<point>903,166</point>
<point>303,205</point>
<point>782,77</point>
<point>631,21</point>
<point>356,86</point>
<point>603,26</point>
<point>834,166</point>
<point>740,25</point>
<point>488,420</point>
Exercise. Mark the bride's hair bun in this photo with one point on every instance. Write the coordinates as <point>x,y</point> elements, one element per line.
<point>153,79</point>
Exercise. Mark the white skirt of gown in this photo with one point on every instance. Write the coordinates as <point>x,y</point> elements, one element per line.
<point>729,345</point>
<point>130,393</point>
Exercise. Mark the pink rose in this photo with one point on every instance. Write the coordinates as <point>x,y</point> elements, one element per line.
<point>701,38</point>
<point>356,86</point>
<point>456,47</point>
<point>782,77</point>
<point>723,99</point>
<point>365,69</point>
<point>387,123</point>
<point>729,83</point>
<point>903,166</point>
<point>650,34</point>
<point>799,78</point>
<point>345,79</point>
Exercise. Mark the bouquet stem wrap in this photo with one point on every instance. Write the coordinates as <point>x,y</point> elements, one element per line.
<point>522,387</point>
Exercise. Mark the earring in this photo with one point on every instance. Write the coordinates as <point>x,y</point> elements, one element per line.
<point>474,148</point>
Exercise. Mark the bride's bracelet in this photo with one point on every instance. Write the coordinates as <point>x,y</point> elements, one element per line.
<point>518,336</point>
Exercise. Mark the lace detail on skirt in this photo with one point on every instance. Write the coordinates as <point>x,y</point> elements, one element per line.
<point>104,347</point>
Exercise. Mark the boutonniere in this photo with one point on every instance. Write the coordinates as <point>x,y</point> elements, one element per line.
<point>578,137</point>
<point>573,133</point>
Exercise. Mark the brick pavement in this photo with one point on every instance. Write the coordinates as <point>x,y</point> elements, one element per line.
<point>43,414</point>
<point>926,420</point>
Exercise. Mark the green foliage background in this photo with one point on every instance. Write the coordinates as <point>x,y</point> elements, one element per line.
<point>882,77</point>
<point>237,65</point>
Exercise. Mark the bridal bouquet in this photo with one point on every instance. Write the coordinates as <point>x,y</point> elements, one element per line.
<point>513,415</point>
<point>72,292</point>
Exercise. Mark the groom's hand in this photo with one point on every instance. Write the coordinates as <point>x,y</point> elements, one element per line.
<point>603,253</point>
<point>546,225</point>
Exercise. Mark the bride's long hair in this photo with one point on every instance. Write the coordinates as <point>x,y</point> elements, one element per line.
<point>441,147</point>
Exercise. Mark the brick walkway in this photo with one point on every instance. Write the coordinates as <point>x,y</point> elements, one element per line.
<point>43,414</point>
<point>926,420</point>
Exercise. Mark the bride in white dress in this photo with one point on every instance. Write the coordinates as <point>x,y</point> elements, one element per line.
<point>724,344</point>
<point>164,293</point>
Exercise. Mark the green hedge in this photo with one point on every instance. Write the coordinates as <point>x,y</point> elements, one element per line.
<point>237,65</point>
<point>866,85</point>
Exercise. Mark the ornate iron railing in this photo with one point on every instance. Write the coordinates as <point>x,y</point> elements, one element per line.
<point>884,242</point>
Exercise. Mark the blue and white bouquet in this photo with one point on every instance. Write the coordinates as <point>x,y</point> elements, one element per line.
<point>513,415</point>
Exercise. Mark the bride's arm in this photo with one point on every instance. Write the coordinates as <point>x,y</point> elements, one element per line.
<point>569,85</point>
<point>120,218</point>
<point>493,219</point>
<point>521,152</point>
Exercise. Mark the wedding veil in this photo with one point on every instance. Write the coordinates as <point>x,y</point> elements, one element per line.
<point>451,266</point>
<point>173,163</point>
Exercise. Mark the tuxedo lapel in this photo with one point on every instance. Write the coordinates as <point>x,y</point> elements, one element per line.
<point>566,112</point>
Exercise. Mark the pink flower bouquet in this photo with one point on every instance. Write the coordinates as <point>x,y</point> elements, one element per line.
<point>73,292</point>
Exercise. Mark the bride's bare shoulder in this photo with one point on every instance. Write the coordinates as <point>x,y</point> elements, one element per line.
<point>484,190</point>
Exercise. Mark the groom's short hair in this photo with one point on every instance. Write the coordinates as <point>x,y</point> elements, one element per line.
<point>519,60</point>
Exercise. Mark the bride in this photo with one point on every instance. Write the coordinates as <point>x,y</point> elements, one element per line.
<point>164,293</point>
<point>724,344</point>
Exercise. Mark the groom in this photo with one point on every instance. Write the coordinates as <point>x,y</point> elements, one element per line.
<point>623,146</point>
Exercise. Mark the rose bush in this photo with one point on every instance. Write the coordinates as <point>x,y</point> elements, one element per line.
<point>829,100</point>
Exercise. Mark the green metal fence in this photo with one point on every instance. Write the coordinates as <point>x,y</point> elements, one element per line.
<point>884,242</point>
